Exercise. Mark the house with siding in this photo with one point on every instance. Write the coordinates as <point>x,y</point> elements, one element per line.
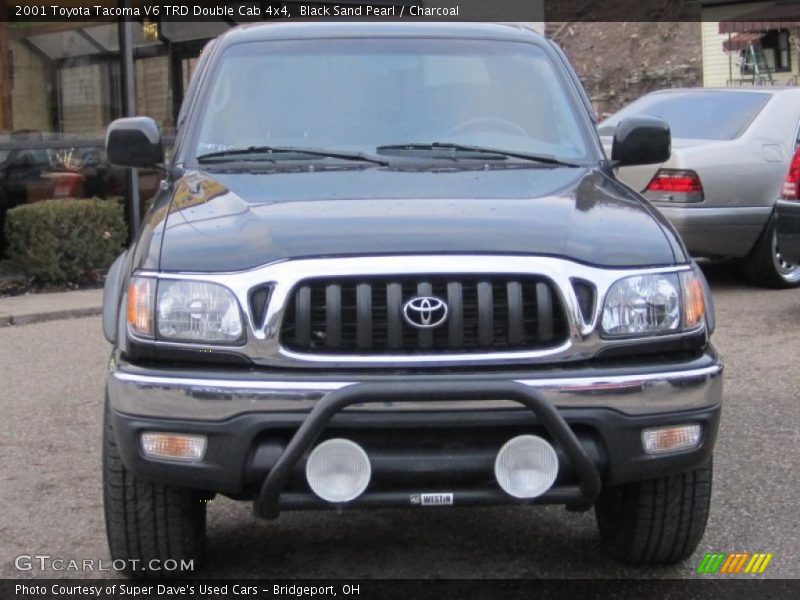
<point>750,43</point>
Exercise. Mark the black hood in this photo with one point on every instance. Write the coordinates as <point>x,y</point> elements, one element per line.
<point>235,221</point>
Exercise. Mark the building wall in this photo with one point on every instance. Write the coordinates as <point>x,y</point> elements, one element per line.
<point>718,64</point>
<point>30,89</point>
<point>84,101</point>
<point>153,89</point>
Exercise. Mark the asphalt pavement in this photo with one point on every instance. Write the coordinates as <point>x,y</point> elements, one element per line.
<point>51,386</point>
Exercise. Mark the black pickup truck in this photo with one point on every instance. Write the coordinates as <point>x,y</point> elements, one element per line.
<point>390,265</point>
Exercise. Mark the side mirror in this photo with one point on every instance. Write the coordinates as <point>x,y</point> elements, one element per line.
<point>641,141</point>
<point>134,142</point>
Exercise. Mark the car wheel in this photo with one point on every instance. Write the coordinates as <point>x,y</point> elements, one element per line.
<point>656,521</point>
<point>149,525</point>
<point>766,266</point>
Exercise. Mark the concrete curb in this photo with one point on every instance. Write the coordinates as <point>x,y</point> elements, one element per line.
<point>38,308</point>
<point>56,315</point>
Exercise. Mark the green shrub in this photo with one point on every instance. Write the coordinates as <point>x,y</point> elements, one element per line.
<point>60,241</point>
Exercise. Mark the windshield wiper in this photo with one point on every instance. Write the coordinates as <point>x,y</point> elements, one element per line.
<point>452,149</point>
<point>222,155</point>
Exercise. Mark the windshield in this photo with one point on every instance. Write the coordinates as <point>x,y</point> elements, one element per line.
<point>695,115</point>
<point>359,95</point>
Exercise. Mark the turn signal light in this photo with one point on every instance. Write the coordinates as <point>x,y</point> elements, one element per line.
<point>140,306</point>
<point>174,446</point>
<point>694,304</point>
<point>670,439</point>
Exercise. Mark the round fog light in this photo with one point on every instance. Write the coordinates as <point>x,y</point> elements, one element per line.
<point>526,466</point>
<point>338,470</point>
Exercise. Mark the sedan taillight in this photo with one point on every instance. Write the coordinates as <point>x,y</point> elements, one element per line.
<point>791,186</point>
<point>675,185</point>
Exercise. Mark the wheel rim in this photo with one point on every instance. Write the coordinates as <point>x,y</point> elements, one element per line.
<point>787,271</point>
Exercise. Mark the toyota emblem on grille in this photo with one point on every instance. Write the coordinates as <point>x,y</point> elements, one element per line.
<point>425,312</point>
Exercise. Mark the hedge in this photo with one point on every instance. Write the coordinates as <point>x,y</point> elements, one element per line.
<point>60,241</point>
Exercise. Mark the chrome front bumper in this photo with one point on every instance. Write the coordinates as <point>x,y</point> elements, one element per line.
<point>208,396</point>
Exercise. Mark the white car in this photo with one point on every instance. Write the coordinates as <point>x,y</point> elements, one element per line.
<point>731,149</point>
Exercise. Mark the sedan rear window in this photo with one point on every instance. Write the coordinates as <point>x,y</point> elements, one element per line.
<point>695,115</point>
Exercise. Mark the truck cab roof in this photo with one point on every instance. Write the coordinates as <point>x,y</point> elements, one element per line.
<point>256,32</point>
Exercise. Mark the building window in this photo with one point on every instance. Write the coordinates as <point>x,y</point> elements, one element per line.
<point>777,47</point>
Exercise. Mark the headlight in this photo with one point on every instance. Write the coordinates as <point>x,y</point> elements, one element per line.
<point>643,304</point>
<point>194,311</point>
<point>185,311</point>
<point>652,304</point>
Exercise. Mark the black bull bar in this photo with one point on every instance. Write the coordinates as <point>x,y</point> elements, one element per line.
<point>267,504</point>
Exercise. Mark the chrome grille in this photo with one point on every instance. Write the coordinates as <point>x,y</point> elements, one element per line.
<point>486,313</point>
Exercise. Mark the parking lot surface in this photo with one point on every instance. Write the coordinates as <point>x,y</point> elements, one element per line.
<point>50,488</point>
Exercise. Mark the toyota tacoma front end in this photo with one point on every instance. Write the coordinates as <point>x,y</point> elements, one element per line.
<point>390,266</point>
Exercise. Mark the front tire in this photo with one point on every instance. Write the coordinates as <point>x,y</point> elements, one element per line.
<point>659,521</point>
<point>765,266</point>
<point>148,523</point>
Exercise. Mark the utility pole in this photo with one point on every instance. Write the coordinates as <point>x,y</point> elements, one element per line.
<point>125,32</point>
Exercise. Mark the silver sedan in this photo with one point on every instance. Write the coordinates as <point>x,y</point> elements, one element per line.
<point>731,150</point>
